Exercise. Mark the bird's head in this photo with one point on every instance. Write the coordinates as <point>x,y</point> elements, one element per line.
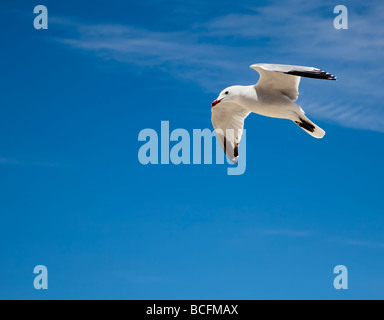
<point>228,94</point>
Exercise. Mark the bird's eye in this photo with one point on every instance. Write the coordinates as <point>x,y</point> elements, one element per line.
<point>226,92</point>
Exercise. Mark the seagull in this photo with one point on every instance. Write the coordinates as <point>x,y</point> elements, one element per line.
<point>273,96</point>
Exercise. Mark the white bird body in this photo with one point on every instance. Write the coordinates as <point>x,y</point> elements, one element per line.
<point>266,103</point>
<point>273,96</point>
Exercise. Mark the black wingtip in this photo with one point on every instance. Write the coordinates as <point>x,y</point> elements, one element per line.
<point>330,76</point>
<point>316,74</point>
<point>236,151</point>
<point>306,125</point>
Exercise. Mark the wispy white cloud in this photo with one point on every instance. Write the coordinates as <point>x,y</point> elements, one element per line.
<point>217,53</point>
<point>286,233</point>
<point>353,116</point>
<point>5,161</point>
<point>15,162</point>
<point>358,243</point>
<point>178,53</point>
<point>311,234</point>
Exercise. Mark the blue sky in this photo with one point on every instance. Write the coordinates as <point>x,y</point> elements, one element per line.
<point>75,198</point>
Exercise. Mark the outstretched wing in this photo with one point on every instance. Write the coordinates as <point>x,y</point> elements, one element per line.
<point>228,122</point>
<point>285,78</point>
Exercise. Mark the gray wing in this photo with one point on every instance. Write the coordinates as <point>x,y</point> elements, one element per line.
<point>228,122</point>
<point>286,78</point>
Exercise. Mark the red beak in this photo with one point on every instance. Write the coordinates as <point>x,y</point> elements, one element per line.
<point>215,102</point>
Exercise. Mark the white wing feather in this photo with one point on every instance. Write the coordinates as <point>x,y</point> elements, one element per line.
<point>228,122</point>
<point>286,78</point>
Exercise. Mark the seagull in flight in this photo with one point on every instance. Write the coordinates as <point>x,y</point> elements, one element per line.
<point>274,96</point>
